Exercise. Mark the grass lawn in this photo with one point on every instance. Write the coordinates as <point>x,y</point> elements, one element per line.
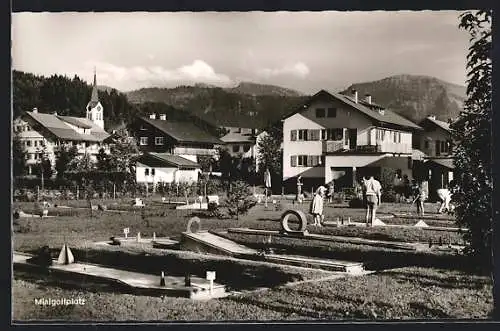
<point>407,293</point>
<point>411,292</point>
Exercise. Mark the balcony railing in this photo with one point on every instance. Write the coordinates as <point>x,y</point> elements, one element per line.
<point>332,146</point>
<point>381,147</point>
<point>385,148</point>
<point>193,151</point>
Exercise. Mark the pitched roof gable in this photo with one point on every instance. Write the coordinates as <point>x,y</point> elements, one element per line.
<point>389,117</point>
<point>443,125</point>
<point>61,130</point>
<point>186,132</point>
<point>168,160</point>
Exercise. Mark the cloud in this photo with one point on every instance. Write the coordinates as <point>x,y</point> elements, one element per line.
<point>143,76</point>
<point>298,69</point>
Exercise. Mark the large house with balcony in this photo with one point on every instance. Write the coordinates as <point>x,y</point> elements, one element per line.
<point>182,138</point>
<point>436,162</point>
<point>338,137</point>
<point>41,133</point>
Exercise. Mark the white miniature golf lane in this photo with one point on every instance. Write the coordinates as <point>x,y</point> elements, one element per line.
<point>199,287</point>
<point>229,246</point>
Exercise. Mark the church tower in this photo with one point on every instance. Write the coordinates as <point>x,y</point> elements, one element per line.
<point>95,111</point>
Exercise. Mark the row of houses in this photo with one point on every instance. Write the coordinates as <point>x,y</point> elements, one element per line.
<point>330,137</point>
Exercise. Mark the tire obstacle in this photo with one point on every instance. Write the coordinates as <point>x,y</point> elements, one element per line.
<point>190,223</point>
<point>300,215</point>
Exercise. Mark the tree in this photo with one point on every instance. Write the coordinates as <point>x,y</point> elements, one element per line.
<point>103,161</point>
<point>472,190</point>
<point>64,157</point>
<point>18,157</point>
<point>240,200</point>
<point>83,164</point>
<point>270,156</point>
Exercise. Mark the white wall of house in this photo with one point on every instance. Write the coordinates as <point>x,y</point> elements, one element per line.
<point>164,174</point>
<point>245,149</point>
<point>33,143</point>
<point>293,148</point>
<point>391,141</point>
<point>431,137</point>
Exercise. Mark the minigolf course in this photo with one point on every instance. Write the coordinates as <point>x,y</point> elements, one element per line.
<point>208,242</point>
<point>197,288</point>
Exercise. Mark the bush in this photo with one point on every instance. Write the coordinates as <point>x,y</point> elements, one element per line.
<point>356,203</point>
<point>389,196</point>
<point>240,199</point>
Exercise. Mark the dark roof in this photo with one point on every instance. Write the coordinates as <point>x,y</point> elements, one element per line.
<point>95,96</point>
<point>75,121</point>
<point>168,160</point>
<point>62,130</point>
<point>443,125</point>
<point>389,117</point>
<point>235,137</point>
<point>447,163</point>
<point>186,132</point>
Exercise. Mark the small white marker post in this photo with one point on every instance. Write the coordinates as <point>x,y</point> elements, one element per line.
<point>211,278</point>
<point>138,236</point>
<point>126,232</point>
<point>154,236</point>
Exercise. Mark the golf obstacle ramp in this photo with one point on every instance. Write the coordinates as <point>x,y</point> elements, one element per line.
<point>138,282</point>
<point>208,242</point>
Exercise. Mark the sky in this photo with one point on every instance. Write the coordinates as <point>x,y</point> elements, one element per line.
<point>306,51</point>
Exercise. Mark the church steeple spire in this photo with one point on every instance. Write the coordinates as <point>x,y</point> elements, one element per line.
<point>95,96</point>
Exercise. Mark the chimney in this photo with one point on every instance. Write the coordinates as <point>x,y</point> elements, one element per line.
<point>35,110</point>
<point>163,117</point>
<point>152,116</point>
<point>432,117</point>
<point>368,98</point>
<point>355,96</point>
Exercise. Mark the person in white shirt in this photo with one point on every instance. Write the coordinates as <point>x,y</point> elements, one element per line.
<point>445,195</point>
<point>317,206</point>
<point>373,193</point>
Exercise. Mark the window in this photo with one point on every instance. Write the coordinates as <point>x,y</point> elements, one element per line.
<point>313,135</point>
<point>320,112</point>
<point>443,147</point>
<point>28,143</point>
<point>426,144</point>
<point>158,140</point>
<point>438,148</point>
<point>303,135</point>
<point>18,128</point>
<point>246,148</point>
<point>381,134</point>
<point>293,135</point>
<point>302,160</point>
<point>146,172</point>
<point>335,134</point>
<point>144,141</point>
<point>346,138</point>
<point>323,134</point>
<point>153,172</point>
<point>332,112</point>
<point>293,160</point>
<point>236,148</point>
<point>35,143</point>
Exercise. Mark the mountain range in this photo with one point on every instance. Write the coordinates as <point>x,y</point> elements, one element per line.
<point>415,97</point>
<point>412,96</point>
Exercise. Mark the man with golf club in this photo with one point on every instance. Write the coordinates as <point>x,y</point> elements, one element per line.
<point>372,191</point>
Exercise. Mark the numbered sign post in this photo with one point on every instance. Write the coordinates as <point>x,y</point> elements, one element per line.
<point>126,232</point>
<point>211,278</point>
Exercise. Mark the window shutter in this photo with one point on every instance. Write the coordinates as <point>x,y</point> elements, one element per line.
<point>293,160</point>
<point>293,135</point>
<point>323,134</point>
<point>309,135</point>
<point>316,134</point>
<point>309,160</point>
